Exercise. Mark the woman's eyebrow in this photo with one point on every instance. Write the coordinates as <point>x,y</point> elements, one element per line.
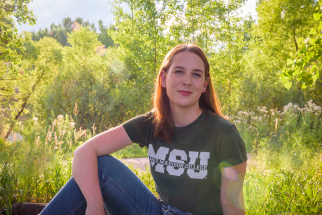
<point>180,67</point>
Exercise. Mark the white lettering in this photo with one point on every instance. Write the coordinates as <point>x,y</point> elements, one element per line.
<point>173,158</point>
<point>161,154</point>
<point>204,156</point>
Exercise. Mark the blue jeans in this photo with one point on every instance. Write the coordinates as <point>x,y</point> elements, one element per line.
<point>123,194</point>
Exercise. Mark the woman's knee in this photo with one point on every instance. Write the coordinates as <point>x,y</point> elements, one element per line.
<point>106,162</point>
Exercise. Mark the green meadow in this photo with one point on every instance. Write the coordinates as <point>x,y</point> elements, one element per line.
<point>284,175</point>
<point>63,84</point>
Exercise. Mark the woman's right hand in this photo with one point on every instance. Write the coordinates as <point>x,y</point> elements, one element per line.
<point>85,166</point>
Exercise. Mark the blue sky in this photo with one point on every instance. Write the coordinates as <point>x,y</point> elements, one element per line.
<point>53,11</point>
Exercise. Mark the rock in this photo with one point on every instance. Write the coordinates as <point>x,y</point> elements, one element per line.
<point>26,208</point>
<point>14,136</point>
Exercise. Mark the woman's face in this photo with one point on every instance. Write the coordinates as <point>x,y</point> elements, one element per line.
<point>185,80</point>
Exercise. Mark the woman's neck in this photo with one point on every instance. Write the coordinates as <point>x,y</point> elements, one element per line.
<point>185,116</point>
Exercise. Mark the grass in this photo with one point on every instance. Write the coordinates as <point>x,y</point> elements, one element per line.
<point>283,191</point>
<point>285,177</point>
<point>132,151</point>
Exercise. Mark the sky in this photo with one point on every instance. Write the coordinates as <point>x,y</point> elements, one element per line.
<point>49,11</point>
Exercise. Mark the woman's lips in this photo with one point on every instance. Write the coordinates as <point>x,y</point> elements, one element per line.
<point>184,92</point>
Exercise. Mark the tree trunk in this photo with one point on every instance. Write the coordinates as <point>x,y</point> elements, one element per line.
<point>24,104</point>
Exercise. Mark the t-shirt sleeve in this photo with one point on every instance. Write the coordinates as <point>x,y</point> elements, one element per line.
<point>232,148</point>
<point>138,129</point>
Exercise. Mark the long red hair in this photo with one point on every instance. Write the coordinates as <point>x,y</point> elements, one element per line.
<point>162,117</point>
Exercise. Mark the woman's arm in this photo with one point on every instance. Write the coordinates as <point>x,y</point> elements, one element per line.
<point>84,168</point>
<point>231,194</point>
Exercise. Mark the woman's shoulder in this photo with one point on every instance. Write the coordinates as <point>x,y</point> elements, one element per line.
<point>141,119</point>
<point>218,122</point>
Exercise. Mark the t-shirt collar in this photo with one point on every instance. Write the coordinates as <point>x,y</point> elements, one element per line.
<point>193,124</point>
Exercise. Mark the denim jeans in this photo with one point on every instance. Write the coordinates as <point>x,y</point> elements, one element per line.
<point>123,194</point>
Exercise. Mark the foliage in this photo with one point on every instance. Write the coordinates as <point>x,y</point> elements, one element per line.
<point>288,139</point>
<point>33,170</point>
<point>36,69</point>
<point>132,151</point>
<point>81,85</point>
<point>9,40</point>
<point>306,64</point>
<point>269,191</point>
<point>279,25</point>
<point>227,65</point>
<point>11,45</point>
<point>60,31</point>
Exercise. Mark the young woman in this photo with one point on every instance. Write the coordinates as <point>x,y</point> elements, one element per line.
<point>197,157</point>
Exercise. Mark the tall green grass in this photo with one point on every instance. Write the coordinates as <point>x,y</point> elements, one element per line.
<point>283,191</point>
<point>289,139</point>
<point>33,170</point>
<point>284,176</point>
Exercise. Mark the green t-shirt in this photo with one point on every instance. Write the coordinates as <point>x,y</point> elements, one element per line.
<point>186,171</point>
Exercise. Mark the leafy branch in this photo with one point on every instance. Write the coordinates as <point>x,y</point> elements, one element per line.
<point>305,64</point>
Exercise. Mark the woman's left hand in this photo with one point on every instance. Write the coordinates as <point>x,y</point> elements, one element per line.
<point>231,194</point>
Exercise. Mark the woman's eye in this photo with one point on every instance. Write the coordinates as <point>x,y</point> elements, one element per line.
<point>197,75</point>
<point>178,71</point>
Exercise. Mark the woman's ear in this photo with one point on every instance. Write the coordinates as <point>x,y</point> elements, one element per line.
<point>163,76</point>
<point>206,82</point>
<point>205,85</point>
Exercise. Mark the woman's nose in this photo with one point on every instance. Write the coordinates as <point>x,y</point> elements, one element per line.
<point>186,81</point>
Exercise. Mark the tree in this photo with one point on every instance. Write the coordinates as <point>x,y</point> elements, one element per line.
<point>84,85</point>
<point>139,34</point>
<point>103,36</point>
<point>37,66</point>
<point>279,26</point>
<point>59,32</point>
<point>308,56</point>
<point>9,40</point>
<point>227,63</point>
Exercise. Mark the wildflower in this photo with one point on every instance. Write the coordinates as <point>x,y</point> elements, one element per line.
<point>48,137</point>
<point>254,117</point>
<point>35,119</point>
<point>37,140</point>
<point>75,112</point>
<point>317,109</point>
<point>72,124</point>
<point>310,103</point>
<point>55,138</point>
<point>60,116</point>
<point>237,122</point>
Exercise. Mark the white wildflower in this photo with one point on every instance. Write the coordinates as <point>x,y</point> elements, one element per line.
<point>317,109</point>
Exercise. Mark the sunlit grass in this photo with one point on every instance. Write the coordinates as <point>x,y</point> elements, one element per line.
<point>285,176</point>
<point>282,191</point>
<point>132,151</point>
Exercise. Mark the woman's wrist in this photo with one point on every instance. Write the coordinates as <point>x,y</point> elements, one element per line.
<point>95,201</point>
